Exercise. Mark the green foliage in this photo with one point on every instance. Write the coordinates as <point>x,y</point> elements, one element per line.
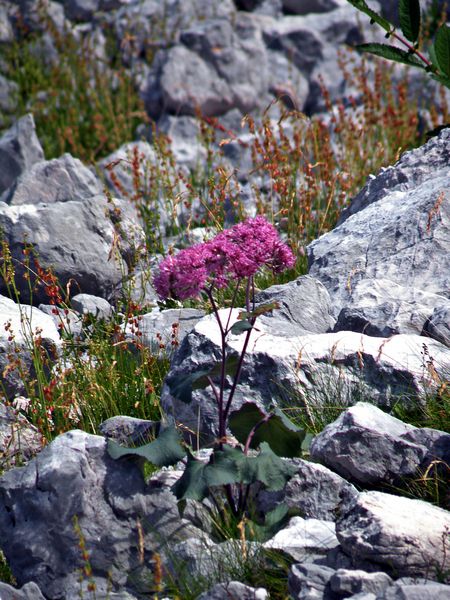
<point>276,429</point>
<point>374,16</point>
<point>229,466</point>
<point>392,53</point>
<point>80,103</point>
<point>442,51</point>
<point>162,452</point>
<point>438,63</point>
<point>409,13</point>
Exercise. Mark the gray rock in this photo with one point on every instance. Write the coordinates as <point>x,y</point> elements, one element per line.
<point>19,150</point>
<point>304,537</point>
<point>67,321</point>
<point>310,582</point>
<point>19,440</point>
<point>414,168</point>
<point>168,327</point>
<point>438,327</point>
<point>129,430</point>
<point>117,167</point>
<point>30,591</point>
<point>380,307</point>
<point>415,591</point>
<point>74,478</point>
<point>75,238</point>
<point>35,15</point>
<point>87,304</point>
<point>405,209</point>
<point>304,307</point>
<point>80,10</point>
<point>314,490</point>
<point>234,590</point>
<point>209,72</point>
<point>278,368</point>
<point>346,581</point>
<point>6,30</point>
<point>8,91</point>
<point>404,537</point>
<point>58,180</point>
<point>183,132</point>
<point>371,447</point>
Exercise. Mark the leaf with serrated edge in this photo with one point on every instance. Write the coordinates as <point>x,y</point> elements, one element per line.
<point>409,15</point>
<point>375,17</point>
<point>164,451</point>
<point>442,49</point>
<point>391,53</point>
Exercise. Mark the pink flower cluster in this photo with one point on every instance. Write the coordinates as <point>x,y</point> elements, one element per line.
<point>235,253</point>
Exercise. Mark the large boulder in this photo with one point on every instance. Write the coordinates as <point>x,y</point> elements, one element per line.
<point>406,208</point>
<point>314,490</point>
<point>208,71</point>
<point>20,325</point>
<point>280,366</point>
<point>73,493</point>
<point>75,238</point>
<point>381,307</point>
<point>20,149</point>
<point>371,447</point>
<point>404,537</point>
<point>57,180</point>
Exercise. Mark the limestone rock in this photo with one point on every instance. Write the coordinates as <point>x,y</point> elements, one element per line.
<point>403,536</point>
<point>371,447</point>
<point>57,180</point>
<point>72,489</point>
<point>19,150</point>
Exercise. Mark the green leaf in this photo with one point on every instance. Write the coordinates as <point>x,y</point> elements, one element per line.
<point>442,49</point>
<point>374,16</point>
<point>274,521</point>
<point>240,327</point>
<point>198,476</point>
<point>278,431</point>
<point>409,14</point>
<point>181,386</point>
<point>391,53</point>
<point>266,467</point>
<point>164,451</point>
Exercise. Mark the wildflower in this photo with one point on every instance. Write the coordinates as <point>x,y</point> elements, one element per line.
<point>234,254</point>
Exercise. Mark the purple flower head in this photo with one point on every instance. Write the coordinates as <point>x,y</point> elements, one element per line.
<point>235,253</point>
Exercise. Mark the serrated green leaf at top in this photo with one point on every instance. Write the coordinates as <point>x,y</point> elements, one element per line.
<point>442,49</point>
<point>391,53</point>
<point>409,15</point>
<point>374,16</point>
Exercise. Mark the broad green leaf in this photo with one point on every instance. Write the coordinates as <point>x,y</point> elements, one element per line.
<point>266,467</point>
<point>274,520</point>
<point>240,327</point>
<point>307,442</point>
<point>259,310</point>
<point>391,53</point>
<point>181,386</point>
<point>374,16</point>
<point>278,431</point>
<point>164,451</point>
<point>442,49</point>
<point>409,15</point>
<point>198,476</point>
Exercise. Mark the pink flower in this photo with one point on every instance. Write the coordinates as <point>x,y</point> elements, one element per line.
<point>235,253</point>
